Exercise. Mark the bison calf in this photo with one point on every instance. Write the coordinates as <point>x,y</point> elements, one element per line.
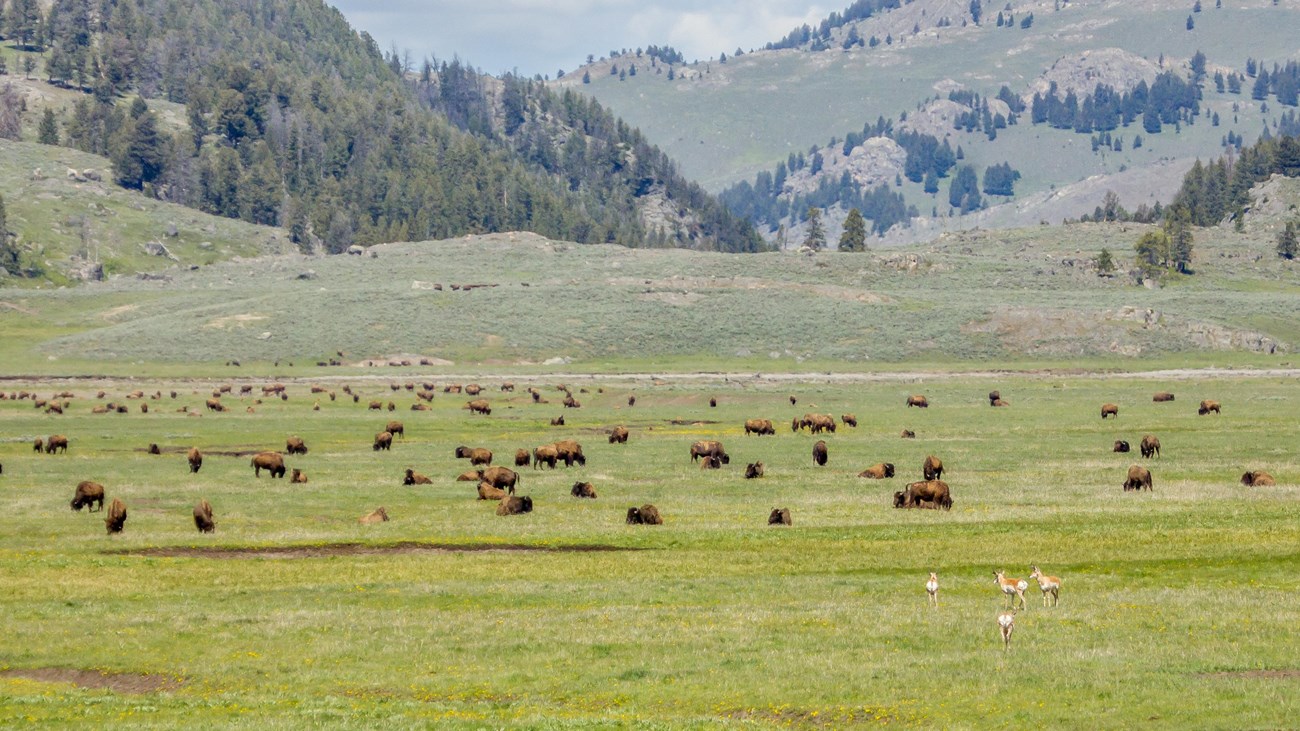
<point>379,515</point>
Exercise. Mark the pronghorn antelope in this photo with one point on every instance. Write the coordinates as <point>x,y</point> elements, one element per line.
<point>1051,585</point>
<point>1013,588</point>
<point>1007,623</point>
<point>932,588</point>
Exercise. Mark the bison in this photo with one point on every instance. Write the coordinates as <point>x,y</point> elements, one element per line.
<point>1138,478</point>
<point>994,396</point>
<point>383,440</point>
<point>932,468</point>
<point>570,451</point>
<point>414,478</point>
<point>1109,410</point>
<point>515,505</point>
<point>478,406</point>
<point>759,427</point>
<point>645,515</point>
<point>502,477</point>
<point>87,495</point>
<point>1162,397</point>
<point>1207,406</point>
<point>849,420</point>
<point>396,429</point>
<point>712,462</point>
<point>583,489</point>
<point>709,448</point>
<point>295,445</point>
<point>570,402</point>
<point>487,492</point>
<point>934,492</point>
<point>270,461</point>
<point>475,455</point>
<point>1120,446</point>
<point>154,449</point>
<point>379,515</point>
<point>471,476</point>
<point>558,421</point>
<point>116,518</point>
<point>298,477</point>
<point>999,403</point>
<point>195,458</point>
<point>1150,446</point>
<point>547,455</point>
<point>215,405</point>
<point>631,400</point>
<point>618,435</point>
<point>878,471</point>
<point>56,443</point>
<point>779,516</point>
<point>818,423</point>
<point>907,434</point>
<point>753,470</point>
<point>203,517</point>
<point>522,458</point>
<point>1257,479</point>
<point>918,401</point>
<point>375,406</point>
<point>819,455</point>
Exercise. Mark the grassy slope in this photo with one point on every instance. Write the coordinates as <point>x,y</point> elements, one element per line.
<point>721,621</point>
<point>746,115</point>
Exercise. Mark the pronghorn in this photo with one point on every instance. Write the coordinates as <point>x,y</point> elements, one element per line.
<point>1049,584</point>
<point>932,587</point>
<point>1013,588</point>
<point>1007,623</point>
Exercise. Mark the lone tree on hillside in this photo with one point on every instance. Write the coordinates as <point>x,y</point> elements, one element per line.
<point>854,237</point>
<point>816,238</point>
<point>1286,241</point>
<point>8,247</point>
<point>1105,263</point>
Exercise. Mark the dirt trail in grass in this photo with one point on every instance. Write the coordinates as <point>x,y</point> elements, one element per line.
<point>128,683</point>
<point>325,550</point>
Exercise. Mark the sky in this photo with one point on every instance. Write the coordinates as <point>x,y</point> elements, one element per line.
<point>542,36</point>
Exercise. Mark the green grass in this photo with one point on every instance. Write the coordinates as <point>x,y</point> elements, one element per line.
<point>717,620</point>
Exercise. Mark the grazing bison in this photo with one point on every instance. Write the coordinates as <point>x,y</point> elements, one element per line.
<point>709,448</point>
<point>1207,406</point>
<point>932,468</point>
<point>645,515</point>
<point>56,443</point>
<point>907,434</point>
<point>547,455</point>
<point>396,429</point>
<point>583,489</point>
<point>818,423</point>
<point>1109,410</point>
<point>1257,479</point>
<point>849,420</point>
<point>488,492</point>
<point>203,517</point>
<point>378,516</point>
<point>1150,446</point>
<point>478,406</point>
<point>473,389</point>
<point>116,518</point>
<point>779,516</point>
<point>502,477</point>
<point>570,451</point>
<point>1120,446</point>
<point>928,494</point>
<point>795,424</point>
<point>819,455</point>
<point>383,440</point>
<point>918,401</point>
<point>631,400</point>
<point>1138,477</point>
<point>1162,397</point>
<point>878,471</point>
<point>753,470</point>
<point>195,458</point>
<point>793,400</point>
<point>270,461</point>
<point>295,445</point>
<point>618,435</point>
<point>87,495</point>
<point>298,477</point>
<point>475,455</point>
<point>215,405</point>
<point>712,462</point>
<point>759,427</point>
<point>515,505</point>
<point>522,457</point>
<point>375,406</point>
<point>415,478</point>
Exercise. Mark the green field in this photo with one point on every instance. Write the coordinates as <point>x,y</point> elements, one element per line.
<point>1176,609</point>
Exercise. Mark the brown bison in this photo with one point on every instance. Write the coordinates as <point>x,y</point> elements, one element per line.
<point>932,468</point>
<point>473,389</point>
<point>195,458</point>
<point>712,462</point>
<point>818,423</point>
<point>759,427</point>
<point>203,517</point>
<point>522,457</point>
<point>515,505</point>
<point>753,470</point>
<point>116,518</point>
<point>1257,479</point>
<point>631,400</point>
<point>583,489</point>
<point>1207,406</point>
<point>375,406</point>
<point>570,402</point>
<point>1138,477</point>
<point>415,478</point>
<point>379,515</point>
<point>1120,446</point>
<point>999,403</point>
<point>295,445</point>
<point>570,451</point>
<point>508,386</point>
<point>618,435</point>
<point>144,409</point>
<point>645,515</point>
<point>396,429</point>
<point>475,455</point>
<point>154,449</point>
<point>713,402</point>
<point>918,401</point>
<point>471,476</point>
<point>478,406</point>
<point>383,440</point>
<point>215,405</point>
<point>933,492</point>
<point>819,455</point>
<point>56,443</point>
<point>907,434</point>
<point>796,424</point>
<point>1162,397</point>
<point>878,471</point>
<point>994,396</point>
<point>793,400</point>
<point>87,495</point>
<point>502,477</point>
<point>488,492</point>
<point>1150,446</point>
<point>709,448</point>
<point>547,455</point>
<point>1109,410</point>
<point>298,477</point>
<point>849,420</point>
<point>270,461</point>
<point>779,516</point>
<point>558,421</point>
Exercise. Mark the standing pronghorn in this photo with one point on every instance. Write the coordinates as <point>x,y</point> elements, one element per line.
<point>932,588</point>
<point>1007,623</point>
<point>1013,588</point>
<point>1049,584</point>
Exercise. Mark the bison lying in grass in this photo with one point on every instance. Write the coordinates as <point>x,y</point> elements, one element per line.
<point>753,470</point>
<point>583,489</point>
<point>1162,397</point>
<point>379,515</point>
<point>1257,479</point>
<point>779,516</point>
<point>645,515</point>
<point>475,455</point>
<point>487,492</point>
<point>414,478</point>
<point>1120,446</point>
<point>878,471</point>
<point>515,505</point>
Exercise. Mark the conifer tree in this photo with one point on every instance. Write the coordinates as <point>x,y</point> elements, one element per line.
<point>48,132</point>
<point>1286,241</point>
<point>854,237</point>
<point>816,238</point>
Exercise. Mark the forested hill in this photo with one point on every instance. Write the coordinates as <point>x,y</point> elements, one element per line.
<point>293,118</point>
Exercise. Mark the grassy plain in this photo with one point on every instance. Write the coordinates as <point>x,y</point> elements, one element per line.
<point>1175,612</point>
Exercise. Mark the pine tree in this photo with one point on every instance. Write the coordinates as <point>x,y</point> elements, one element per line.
<point>1105,263</point>
<point>854,237</point>
<point>48,133</point>
<point>816,238</point>
<point>1286,241</point>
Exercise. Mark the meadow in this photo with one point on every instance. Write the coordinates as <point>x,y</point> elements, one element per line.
<point>1176,609</point>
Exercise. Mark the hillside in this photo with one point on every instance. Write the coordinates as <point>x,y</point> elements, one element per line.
<point>1028,295</point>
<point>729,120</point>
